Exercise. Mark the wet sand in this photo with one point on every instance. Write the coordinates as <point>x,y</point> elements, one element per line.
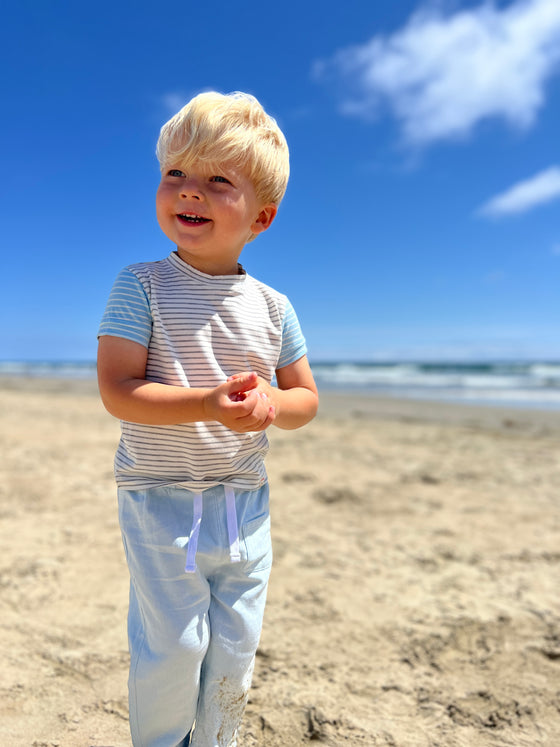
<point>414,597</point>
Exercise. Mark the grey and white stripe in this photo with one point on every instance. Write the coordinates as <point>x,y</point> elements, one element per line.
<point>198,329</point>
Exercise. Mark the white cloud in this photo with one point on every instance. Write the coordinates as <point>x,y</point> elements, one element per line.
<point>442,74</point>
<point>541,188</point>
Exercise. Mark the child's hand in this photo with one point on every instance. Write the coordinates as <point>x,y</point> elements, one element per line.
<point>241,404</point>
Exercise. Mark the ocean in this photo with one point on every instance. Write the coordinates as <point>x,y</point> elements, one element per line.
<point>532,384</point>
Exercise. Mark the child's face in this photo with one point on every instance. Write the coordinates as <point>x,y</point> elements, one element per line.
<point>210,215</point>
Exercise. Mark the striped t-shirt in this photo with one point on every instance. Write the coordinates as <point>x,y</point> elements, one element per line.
<point>198,329</point>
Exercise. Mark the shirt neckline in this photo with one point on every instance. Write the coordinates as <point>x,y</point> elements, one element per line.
<point>234,283</point>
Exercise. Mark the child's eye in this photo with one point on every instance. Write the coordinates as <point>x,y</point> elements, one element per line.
<point>175,172</point>
<point>220,179</point>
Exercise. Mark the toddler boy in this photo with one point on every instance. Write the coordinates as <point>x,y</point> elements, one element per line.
<point>188,348</point>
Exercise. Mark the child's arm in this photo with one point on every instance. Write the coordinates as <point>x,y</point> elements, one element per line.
<point>295,400</point>
<point>121,369</point>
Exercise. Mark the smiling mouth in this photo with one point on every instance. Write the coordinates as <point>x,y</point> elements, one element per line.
<point>192,219</point>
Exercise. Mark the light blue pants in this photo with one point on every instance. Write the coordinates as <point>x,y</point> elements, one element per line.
<point>193,634</point>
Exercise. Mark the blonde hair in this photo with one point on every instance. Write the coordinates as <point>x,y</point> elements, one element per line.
<point>214,128</point>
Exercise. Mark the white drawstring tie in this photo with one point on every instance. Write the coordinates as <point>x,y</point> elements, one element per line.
<point>233,531</point>
<point>193,536</point>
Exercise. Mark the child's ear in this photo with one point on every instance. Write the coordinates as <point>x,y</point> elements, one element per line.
<point>264,218</point>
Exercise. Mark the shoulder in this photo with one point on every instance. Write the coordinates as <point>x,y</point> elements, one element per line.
<point>257,286</point>
<point>147,269</point>
<point>152,277</point>
<point>265,296</point>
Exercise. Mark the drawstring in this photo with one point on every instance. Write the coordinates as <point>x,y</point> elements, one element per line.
<point>193,537</point>
<point>233,531</point>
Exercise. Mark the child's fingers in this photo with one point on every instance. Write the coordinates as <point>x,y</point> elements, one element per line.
<point>271,414</point>
<point>251,423</point>
<point>240,383</point>
<point>242,375</point>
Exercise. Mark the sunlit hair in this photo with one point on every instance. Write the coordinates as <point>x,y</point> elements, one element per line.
<point>214,129</point>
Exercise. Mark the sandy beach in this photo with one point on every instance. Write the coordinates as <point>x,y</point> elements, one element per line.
<point>414,600</point>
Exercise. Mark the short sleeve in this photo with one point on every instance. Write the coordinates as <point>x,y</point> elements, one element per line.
<point>293,341</point>
<point>127,313</point>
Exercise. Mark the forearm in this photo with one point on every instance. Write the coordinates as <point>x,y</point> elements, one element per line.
<point>150,403</point>
<point>236,404</point>
<point>294,407</point>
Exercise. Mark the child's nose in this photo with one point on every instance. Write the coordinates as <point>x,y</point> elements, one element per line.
<point>191,188</point>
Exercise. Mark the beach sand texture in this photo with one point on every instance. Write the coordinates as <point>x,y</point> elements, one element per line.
<point>414,600</point>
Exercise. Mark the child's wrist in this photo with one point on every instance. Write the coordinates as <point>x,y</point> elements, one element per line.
<point>207,405</point>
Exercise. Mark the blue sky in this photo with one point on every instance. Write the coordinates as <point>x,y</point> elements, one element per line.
<point>422,216</point>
